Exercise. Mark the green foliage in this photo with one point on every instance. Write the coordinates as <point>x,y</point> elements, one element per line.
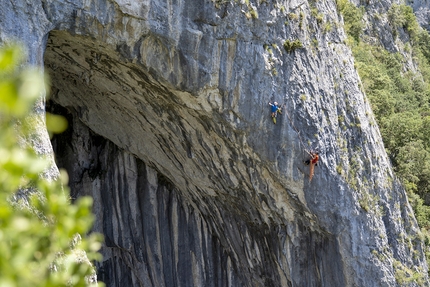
<point>301,17</point>
<point>400,129</point>
<point>421,211</point>
<point>315,42</point>
<point>352,17</point>
<point>402,16</point>
<point>314,12</point>
<point>424,44</point>
<point>219,3</point>
<point>368,201</point>
<point>40,230</point>
<point>327,27</point>
<point>282,9</point>
<point>303,97</point>
<point>364,203</point>
<point>405,275</point>
<point>254,13</point>
<point>250,12</point>
<point>401,103</point>
<point>395,16</point>
<point>290,46</point>
<point>320,18</point>
<point>293,16</point>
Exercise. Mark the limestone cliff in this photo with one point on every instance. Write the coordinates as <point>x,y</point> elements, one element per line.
<point>193,183</point>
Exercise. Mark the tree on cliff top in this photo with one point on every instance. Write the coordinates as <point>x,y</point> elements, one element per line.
<point>40,230</point>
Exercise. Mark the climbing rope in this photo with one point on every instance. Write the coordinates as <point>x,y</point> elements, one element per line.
<point>284,107</point>
<point>297,131</point>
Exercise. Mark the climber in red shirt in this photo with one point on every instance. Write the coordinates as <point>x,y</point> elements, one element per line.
<point>315,158</point>
<point>313,161</point>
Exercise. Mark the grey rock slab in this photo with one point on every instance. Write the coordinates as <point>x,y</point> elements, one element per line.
<point>193,183</point>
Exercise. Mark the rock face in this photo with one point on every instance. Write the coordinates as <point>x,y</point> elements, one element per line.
<point>193,184</point>
<point>422,11</point>
<point>156,236</point>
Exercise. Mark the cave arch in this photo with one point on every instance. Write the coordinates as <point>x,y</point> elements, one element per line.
<point>159,232</point>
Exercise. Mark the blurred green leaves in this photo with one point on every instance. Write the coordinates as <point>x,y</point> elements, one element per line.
<point>10,56</point>
<point>19,89</point>
<point>43,235</point>
<point>55,123</point>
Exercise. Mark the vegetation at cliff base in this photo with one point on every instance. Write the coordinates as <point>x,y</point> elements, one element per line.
<point>43,239</point>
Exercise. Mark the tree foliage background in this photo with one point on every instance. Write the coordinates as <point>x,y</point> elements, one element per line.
<point>400,99</point>
<point>43,236</point>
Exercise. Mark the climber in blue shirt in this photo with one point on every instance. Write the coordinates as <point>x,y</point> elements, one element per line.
<point>275,109</point>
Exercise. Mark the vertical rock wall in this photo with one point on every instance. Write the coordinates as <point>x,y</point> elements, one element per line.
<point>193,184</point>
